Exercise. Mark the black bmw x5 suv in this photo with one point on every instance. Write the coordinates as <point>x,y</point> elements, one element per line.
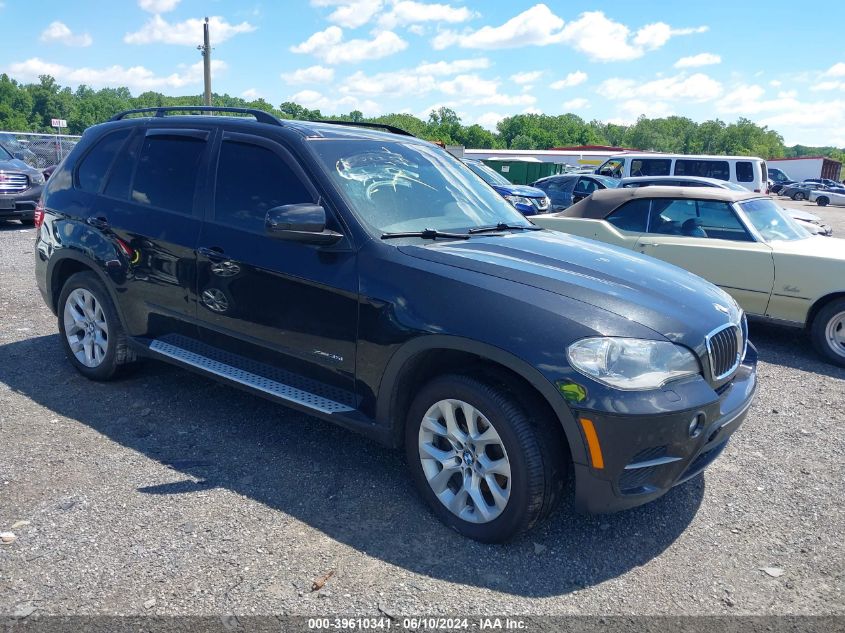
<point>369,278</point>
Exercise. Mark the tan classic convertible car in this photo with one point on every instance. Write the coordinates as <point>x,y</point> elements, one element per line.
<point>742,242</point>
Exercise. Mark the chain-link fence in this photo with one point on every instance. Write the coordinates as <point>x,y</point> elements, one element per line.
<point>38,150</point>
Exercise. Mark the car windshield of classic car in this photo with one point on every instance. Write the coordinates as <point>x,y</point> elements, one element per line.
<point>771,222</point>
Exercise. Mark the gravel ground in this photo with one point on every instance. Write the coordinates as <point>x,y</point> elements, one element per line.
<point>166,493</point>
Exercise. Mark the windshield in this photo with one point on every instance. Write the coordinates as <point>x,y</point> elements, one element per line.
<point>4,154</point>
<point>771,221</point>
<point>489,175</point>
<point>395,186</point>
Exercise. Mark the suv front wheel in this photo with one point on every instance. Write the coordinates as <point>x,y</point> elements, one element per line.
<point>477,459</point>
<point>90,329</point>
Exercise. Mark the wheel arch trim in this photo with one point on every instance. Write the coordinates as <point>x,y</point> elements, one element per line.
<point>388,392</point>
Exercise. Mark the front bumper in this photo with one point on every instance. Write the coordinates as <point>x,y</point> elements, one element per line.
<point>645,456</point>
<point>20,204</point>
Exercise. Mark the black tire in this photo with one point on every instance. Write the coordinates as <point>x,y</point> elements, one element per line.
<point>798,196</point>
<point>822,201</point>
<point>818,332</point>
<point>536,455</point>
<point>118,354</point>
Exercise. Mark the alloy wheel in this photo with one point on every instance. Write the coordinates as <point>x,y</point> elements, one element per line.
<point>464,461</point>
<point>86,329</point>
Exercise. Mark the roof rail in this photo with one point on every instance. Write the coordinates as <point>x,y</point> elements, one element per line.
<point>378,126</point>
<point>260,115</point>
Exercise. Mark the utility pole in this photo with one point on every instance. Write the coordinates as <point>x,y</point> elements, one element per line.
<point>206,63</point>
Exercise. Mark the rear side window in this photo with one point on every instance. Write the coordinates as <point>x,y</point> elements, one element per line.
<point>631,216</point>
<point>705,168</point>
<point>251,180</point>
<point>95,165</point>
<point>651,167</point>
<point>120,176</point>
<point>744,171</point>
<point>166,176</point>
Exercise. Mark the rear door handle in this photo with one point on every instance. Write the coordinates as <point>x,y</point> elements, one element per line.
<point>214,253</point>
<point>98,222</point>
<point>649,243</point>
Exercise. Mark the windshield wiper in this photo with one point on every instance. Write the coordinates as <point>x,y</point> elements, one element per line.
<point>503,226</point>
<point>426,234</point>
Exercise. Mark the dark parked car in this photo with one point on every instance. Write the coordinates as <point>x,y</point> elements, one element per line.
<point>528,200</point>
<point>567,189</point>
<point>368,278</point>
<point>11,144</point>
<point>801,190</point>
<point>20,188</point>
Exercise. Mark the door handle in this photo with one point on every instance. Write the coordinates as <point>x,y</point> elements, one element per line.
<point>98,222</point>
<point>655,244</point>
<point>214,253</point>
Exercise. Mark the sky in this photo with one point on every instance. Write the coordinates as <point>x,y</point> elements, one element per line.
<point>769,62</point>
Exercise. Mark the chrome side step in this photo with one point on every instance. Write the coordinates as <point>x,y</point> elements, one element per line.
<point>240,370</point>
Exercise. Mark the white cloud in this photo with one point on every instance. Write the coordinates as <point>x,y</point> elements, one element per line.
<point>136,78</point>
<point>158,6</point>
<point>350,13</point>
<point>310,75</point>
<point>477,90</point>
<point>527,77</point>
<point>576,104</point>
<point>453,67</point>
<point>401,83</point>
<point>60,32</point>
<point>631,109</point>
<point>488,120</point>
<point>251,94</point>
<point>536,26</point>
<point>572,79</point>
<point>406,12</point>
<point>696,61</point>
<point>318,101</point>
<point>696,87</point>
<point>828,85</point>
<point>187,33</point>
<point>653,36</point>
<point>605,40</point>
<point>329,46</point>
<point>592,33</point>
<point>837,70</point>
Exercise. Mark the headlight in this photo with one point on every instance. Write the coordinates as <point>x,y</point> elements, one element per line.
<point>36,179</point>
<point>515,200</point>
<point>631,364</point>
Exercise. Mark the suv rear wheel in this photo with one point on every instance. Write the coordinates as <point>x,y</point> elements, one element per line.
<point>90,329</point>
<point>828,332</point>
<point>477,460</point>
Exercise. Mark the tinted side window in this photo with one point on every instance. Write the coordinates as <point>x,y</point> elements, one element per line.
<point>744,171</point>
<point>251,180</point>
<point>706,168</point>
<point>585,185</point>
<point>120,176</point>
<point>94,167</point>
<point>631,216</point>
<point>651,167</point>
<point>166,176</point>
<point>720,222</point>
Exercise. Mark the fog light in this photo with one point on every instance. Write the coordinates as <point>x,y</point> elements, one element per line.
<point>696,425</point>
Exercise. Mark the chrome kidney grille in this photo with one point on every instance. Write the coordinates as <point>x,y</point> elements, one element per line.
<point>726,349</point>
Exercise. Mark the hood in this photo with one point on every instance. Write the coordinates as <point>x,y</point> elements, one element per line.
<point>16,165</point>
<point>664,298</point>
<point>519,190</point>
<point>813,246</point>
<point>802,215</point>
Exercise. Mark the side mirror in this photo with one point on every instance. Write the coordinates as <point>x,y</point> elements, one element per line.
<point>300,223</point>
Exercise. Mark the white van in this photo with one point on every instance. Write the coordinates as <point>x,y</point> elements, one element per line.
<point>748,171</point>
